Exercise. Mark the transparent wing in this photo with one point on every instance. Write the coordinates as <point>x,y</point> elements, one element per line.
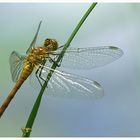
<point>71,86</point>
<point>86,58</point>
<point>16,63</point>
<point>32,45</point>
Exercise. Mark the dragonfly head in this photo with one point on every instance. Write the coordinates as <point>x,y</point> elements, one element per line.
<point>51,44</point>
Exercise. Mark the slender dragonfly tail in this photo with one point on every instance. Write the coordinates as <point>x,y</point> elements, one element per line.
<point>10,96</point>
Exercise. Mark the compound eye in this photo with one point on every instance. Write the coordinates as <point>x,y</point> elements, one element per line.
<point>54,44</point>
<point>47,42</point>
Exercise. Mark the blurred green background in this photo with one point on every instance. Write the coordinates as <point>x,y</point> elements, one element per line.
<point>117,113</point>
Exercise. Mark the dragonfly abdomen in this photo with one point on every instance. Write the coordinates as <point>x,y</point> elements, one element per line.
<point>27,69</point>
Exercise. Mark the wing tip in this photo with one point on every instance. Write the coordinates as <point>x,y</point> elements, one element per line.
<point>100,92</point>
<point>117,49</point>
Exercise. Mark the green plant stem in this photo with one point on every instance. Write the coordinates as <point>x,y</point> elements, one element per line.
<point>31,119</point>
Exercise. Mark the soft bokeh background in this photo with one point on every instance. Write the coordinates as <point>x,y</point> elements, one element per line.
<point>118,112</point>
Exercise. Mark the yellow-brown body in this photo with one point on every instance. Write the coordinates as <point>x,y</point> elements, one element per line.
<point>35,57</point>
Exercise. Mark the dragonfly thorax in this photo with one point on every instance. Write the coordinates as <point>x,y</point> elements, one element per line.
<point>37,55</point>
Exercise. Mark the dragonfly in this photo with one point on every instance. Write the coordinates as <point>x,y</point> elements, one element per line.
<point>40,60</point>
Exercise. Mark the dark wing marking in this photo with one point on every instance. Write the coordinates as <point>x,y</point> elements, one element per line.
<point>87,58</point>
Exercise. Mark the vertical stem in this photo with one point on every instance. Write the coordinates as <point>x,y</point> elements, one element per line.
<point>31,119</point>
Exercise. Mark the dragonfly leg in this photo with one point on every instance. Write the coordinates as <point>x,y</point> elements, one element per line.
<point>40,74</point>
<point>52,60</point>
<point>60,62</point>
<point>57,54</point>
<point>36,73</point>
<point>60,46</point>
